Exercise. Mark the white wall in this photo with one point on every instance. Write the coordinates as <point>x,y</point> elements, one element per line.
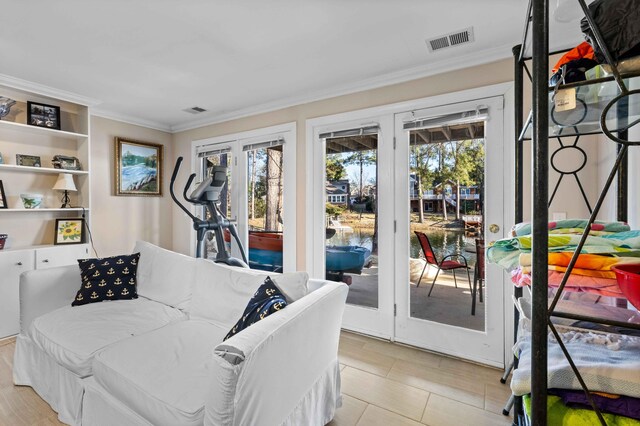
<point>118,221</point>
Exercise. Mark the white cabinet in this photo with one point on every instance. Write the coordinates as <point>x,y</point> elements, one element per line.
<point>50,257</point>
<point>12,264</point>
<point>15,262</point>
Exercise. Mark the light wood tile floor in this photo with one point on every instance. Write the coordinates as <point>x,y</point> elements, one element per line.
<point>383,384</point>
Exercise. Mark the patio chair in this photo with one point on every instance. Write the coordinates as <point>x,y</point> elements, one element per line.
<point>443,265</point>
<point>478,274</point>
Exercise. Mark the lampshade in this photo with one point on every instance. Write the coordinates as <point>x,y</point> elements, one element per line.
<point>65,182</point>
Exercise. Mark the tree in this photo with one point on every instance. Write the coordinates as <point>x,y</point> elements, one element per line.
<point>361,159</point>
<point>420,163</point>
<point>334,168</point>
<point>274,190</point>
<point>466,163</point>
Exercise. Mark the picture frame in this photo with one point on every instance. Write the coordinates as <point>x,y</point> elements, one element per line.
<point>64,162</point>
<point>69,231</point>
<point>28,160</point>
<point>3,197</point>
<point>138,168</point>
<point>43,115</point>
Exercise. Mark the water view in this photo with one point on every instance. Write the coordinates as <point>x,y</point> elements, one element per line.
<point>443,242</point>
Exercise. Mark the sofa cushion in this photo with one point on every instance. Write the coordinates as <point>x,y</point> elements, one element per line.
<point>221,292</point>
<point>267,300</point>
<point>162,375</point>
<point>165,276</point>
<point>73,335</point>
<point>108,278</point>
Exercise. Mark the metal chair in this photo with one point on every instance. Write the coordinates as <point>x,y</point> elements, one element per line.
<point>478,274</point>
<point>442,265</point>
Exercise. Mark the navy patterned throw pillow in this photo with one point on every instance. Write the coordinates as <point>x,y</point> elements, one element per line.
<point>265,301</point>
<point>108,278</point>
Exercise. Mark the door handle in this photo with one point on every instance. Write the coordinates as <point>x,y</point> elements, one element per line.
<point>45,261</point>
<point>493,228</point>
<point>19,264</point>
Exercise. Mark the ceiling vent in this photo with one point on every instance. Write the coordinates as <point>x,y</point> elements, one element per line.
<point>449,40</point>
<point>194,110</point>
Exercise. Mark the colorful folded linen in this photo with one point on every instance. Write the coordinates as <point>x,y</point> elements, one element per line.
<point>575,225</point>
<point>602,286</point>
<point>607,363</point>
<point>609,403</point>
<point>559,414</point>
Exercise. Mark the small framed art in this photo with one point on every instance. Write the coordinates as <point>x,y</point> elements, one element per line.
<point>3,198</point>
<point>28,160</point>
<point>138,168</point>
<point>69,231</point>
<point>43,115</point>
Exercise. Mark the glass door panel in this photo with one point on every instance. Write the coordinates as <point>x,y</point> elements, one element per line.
<point>265,202</point>
<point>351,206</point>
<point>446,183</point>
<point>210,248</point>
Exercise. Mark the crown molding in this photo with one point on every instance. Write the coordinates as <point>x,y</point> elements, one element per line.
<point>41,89</point>
<point>136,121</point>
<point>461,62</point>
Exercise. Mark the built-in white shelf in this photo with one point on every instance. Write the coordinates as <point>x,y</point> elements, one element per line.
<point>10,125</point>
<point>49,170</point>
<point>72,209</point>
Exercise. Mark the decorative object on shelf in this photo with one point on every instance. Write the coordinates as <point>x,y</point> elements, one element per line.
<point>1,159</point>
<point>28,160</point>
<point>43,115</point>
<point>3,239</point>
<point>65,183</point>
<point>5,106</point>
<point>138,168</point>
<point>3,198</point>
<point>69,231</point>
<point>66,162</point>
<point>31,201</point>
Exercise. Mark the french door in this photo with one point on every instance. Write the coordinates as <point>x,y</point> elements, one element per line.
<point>449,199</point>
<point>351,223</point>
<point>259,194</point>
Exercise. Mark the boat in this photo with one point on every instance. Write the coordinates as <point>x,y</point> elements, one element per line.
<point>265,253</point>
<point>346,258</point>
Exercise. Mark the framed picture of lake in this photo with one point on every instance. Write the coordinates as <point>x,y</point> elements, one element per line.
<point>138,168</point>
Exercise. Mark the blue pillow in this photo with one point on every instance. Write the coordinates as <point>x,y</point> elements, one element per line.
<point>108,278</point>
<point>265,301</point>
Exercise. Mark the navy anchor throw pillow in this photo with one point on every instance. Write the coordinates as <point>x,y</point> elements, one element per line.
<point>108,278</point>
<point>265,301</point>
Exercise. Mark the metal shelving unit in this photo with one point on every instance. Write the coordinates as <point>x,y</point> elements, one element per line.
<point>537,32</point>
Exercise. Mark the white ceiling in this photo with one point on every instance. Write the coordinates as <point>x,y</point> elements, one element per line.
<point>145,61</point>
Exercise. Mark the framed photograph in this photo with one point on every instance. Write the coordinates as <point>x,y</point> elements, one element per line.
<point>69,231</point>
<point>3,198</point>
<point>43,115</point>
<point>138,168</point>
<point>28,160</point>
<point>66,163</point>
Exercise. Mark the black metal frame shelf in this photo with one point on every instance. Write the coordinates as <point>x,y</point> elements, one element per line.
<point>537,29</point>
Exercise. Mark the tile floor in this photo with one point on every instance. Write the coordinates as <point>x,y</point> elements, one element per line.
<point>383,384</point>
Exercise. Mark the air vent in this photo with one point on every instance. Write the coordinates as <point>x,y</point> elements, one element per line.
<point>194,110</point>
<point>449,40</point>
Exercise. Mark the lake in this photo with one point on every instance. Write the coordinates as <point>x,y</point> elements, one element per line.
<point>133,176</point>
<point>443,242</point>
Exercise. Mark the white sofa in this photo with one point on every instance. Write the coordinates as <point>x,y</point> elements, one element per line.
<point>160,359</point>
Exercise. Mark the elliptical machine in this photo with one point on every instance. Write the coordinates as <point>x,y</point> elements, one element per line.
<point>207,194</point>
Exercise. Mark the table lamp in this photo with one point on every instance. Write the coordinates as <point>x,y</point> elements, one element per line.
<point>65,183</point>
